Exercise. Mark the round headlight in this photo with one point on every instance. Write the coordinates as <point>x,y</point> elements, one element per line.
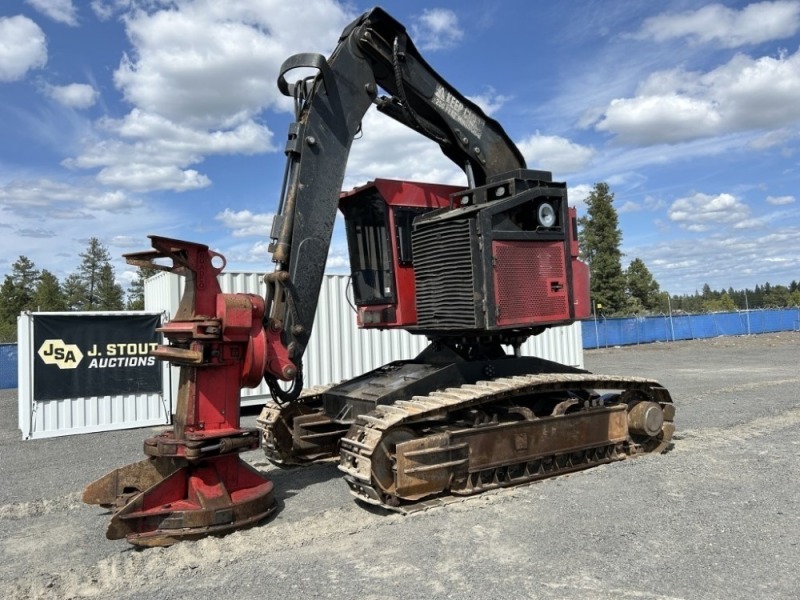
<point>547,215</point>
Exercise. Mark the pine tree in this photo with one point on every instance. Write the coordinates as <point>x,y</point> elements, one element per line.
<point>49,295</point>
<point>777,296</point>
<point>93,260</point>
<point>8,300</point>
<point>641,286</point>
<point>16,295</point>
<point>8,320</point>
<point>756,297</point>
<point>600,241</point>
<point>720,303</point>
<point>136,288</point>
<point>108,294</point>
<point>75,292</point>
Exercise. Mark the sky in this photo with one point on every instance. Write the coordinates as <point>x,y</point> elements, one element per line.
<point>123,118</point>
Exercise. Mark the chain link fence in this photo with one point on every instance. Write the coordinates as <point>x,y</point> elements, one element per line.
<point>602,332</point>
<point>8,366</point>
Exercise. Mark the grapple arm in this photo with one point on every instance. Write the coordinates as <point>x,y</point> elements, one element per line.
<point>373,54</point>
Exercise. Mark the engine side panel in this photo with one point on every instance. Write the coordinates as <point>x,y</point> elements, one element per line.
<point>530,282</point>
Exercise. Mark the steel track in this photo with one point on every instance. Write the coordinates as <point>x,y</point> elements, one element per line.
<point>360,447</point>
<point>275,425</point>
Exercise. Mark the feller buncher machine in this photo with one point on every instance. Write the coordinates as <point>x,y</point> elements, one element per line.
<point>476,270</point>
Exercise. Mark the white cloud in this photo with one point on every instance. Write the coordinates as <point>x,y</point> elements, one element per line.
<point>74,95</point>
<point>737,258</point>
<point>750,223</point>
<point>726,27</point>
<point>627,159</point>
<point>244,223</point>
<point>105,9</point>
<point>35,232</point>
<point>700,212</point>
<point>50,221</point>
<point>652,203</point>
<point>780,200</point>
<point>102,10</point>
<point>676,106</point>
<point>199,76</point>
<point>577,195</point>
<point>390,150</point>
<point>490,101</point>
<point>23,47</point>
<point>256,254</point>
<point>778,137</point>
<point>148,177</point>
<point>127,241</point>
<point>115,201</point>
<point>127,277</point>
<point>63,200</point>
<point>554,153</point>
<point>62,11</point>
<point>436,29</point>
<point>215,64</point>
<point>337,263</point>
<point>659,119</point>
<point>149,152</point>
<point>628,207</point>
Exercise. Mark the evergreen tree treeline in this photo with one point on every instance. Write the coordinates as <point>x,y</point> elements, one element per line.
<point>614,290</point>
<point>91,286</point>
<point>634,290</point>
<point>762,296</point>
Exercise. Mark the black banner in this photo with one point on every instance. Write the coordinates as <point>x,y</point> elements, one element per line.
<point>82,355</point>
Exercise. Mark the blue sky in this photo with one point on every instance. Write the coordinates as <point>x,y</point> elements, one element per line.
<point>122,118</point>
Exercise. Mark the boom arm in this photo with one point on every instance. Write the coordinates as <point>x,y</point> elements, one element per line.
<point>373,52</point>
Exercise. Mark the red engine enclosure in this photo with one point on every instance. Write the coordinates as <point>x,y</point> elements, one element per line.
<point>534,282</point>
<point>580,272</point>
<point>397,194</point>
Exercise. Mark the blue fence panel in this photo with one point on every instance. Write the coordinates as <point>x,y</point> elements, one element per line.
<point>681,328</point>
<point>8,366</point>
<point>703,326</point>
<point>654,329</point>
<point>727,324</point>
<point>603,332</point>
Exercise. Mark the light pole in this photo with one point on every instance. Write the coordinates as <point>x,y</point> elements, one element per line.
<point>747,310</point>
<point>595,307</point>
<point>671,324</point>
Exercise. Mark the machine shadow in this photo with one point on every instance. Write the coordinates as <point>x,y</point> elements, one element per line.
<point>291,480</point>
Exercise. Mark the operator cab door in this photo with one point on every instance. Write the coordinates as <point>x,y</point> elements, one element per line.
<point>378,223</point>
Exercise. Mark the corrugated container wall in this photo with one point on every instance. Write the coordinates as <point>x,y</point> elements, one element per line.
<point>338,349</point>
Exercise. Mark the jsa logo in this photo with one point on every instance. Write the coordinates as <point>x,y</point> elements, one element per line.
<point>64,356</point>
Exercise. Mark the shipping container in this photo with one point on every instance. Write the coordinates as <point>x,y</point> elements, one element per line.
<point>338,349</point>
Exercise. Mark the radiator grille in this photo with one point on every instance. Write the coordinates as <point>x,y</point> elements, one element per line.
<point>445,281</point>
<point>530,282</point>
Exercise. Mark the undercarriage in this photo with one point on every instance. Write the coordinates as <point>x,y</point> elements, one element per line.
<point>420,449</point>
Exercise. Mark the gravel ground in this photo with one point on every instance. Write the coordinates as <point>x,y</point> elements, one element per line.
<point>717,517</point>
